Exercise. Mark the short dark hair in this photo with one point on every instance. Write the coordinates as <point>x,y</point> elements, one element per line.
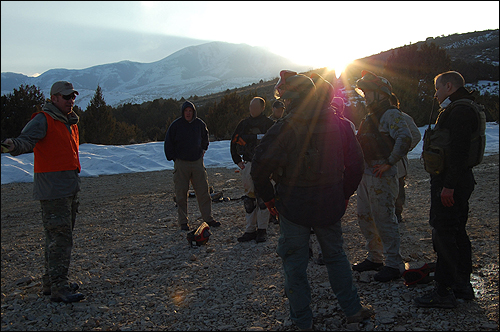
<point>262,101</point>
<point>278,104</point>
<point>453,77</point>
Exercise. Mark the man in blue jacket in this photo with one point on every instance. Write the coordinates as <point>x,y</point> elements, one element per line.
<point>185,143</point>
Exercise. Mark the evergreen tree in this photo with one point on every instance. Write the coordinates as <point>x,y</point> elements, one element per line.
<point>17,108</point>
<point>411,71</point>
<point>98,120</point>
<point>223,117</point>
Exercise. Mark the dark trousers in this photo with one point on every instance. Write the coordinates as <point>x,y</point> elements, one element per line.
<point>449,236</point>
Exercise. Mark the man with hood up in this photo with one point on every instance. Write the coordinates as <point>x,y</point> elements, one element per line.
<point>186,143</point>
<point>52,135</point>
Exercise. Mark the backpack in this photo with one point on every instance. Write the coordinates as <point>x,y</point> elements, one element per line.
<point>318,158</point>
<point>199,236</point>
<point>437,141</point>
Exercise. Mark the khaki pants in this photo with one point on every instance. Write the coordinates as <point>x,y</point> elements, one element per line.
<point>194,172</point>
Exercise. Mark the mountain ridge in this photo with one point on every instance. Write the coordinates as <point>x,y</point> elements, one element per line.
<point>194,70</point>
<point>212,68</point>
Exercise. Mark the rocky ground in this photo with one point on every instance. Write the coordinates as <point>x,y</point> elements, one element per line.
<point>138,272</point>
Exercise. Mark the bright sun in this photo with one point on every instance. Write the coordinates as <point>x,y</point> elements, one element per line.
<point>339,65</point>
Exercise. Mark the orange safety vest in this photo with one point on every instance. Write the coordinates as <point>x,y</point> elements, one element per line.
<point>58,150</point>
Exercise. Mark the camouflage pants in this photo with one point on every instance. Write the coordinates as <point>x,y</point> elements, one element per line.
<point>377,219</point>
<point>58,217</point>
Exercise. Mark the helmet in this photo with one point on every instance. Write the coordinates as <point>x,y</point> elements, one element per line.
<point>292,85</point>
<point>372,82</point>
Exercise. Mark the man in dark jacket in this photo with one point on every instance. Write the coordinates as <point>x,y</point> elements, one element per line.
<point>185,143</point>
<point>53,137</point>
<point>317,163</point>
<point>246,137</point>
<point>450,193</point>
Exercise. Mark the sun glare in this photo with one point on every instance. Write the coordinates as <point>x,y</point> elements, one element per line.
<point>339,66</point>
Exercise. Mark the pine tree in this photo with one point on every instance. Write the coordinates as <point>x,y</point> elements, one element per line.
<point>411,71</point>
<point>98,120</point>
<point>17,108</point>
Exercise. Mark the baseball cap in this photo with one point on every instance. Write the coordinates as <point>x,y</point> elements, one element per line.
<point>63,87</point>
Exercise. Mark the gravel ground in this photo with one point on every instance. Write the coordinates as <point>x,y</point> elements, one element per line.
<point>138,272</point>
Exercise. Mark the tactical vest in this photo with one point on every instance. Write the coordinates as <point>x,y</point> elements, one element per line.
<point>375,145</point>
<point>317,158</point>
<point>436,147</point>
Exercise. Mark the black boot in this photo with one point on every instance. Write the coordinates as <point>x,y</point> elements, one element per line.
<point>261,235</point>
<point>247,237</point>
<point>66,294</point>
<point>47,288</point>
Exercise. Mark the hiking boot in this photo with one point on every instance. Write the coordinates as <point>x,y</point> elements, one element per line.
<point>367,265</point>
<point>185,227</point>
<point>320,260</point>
<point>247,237</point>
<point>434,300</point>
<point>364,313</point>
<point>261,235</point>
<point>47,288</point>
<point>387,274</point>
<point>214,223</point>
<point>66,295</point>
<point>464,291</point>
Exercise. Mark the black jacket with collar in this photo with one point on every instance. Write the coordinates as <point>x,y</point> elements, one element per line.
<point>461,121</point>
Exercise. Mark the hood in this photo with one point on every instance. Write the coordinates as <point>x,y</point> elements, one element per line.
<point>56,114</point>
<point>187,103</point>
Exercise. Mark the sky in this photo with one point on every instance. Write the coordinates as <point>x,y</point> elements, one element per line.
<point>98,160</point>
<point>40,35</point>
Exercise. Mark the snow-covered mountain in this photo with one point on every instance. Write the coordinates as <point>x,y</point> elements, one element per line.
<point>195,70</point>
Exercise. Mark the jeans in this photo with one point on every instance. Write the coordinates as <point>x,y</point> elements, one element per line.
<point>293,248</point>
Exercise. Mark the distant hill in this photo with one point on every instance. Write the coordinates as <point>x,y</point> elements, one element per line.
<point>195,70</point>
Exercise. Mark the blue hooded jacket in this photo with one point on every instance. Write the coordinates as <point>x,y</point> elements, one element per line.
<point>186,140</point>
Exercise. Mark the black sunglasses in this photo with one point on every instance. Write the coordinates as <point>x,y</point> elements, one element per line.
<point>68,97</point>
